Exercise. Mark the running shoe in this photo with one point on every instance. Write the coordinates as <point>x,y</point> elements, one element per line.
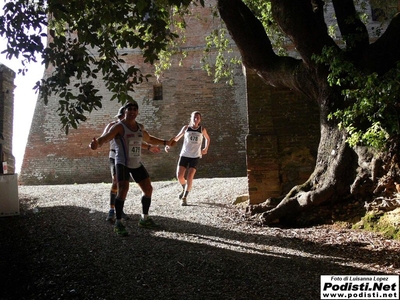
<point>121,230</point>
<point>183,202</point>
<point>148,223</point>
<point>111,216</point>
<point>125,216</point>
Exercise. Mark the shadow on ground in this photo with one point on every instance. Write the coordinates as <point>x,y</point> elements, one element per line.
<point>51,255</point>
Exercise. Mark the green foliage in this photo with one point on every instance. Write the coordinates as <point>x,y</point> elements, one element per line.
<point>178,26</point>
<point>86,41</point>
<point>371,112</point>
<point>218,42</point>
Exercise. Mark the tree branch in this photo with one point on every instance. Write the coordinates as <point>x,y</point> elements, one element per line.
<point>378,57</point>
<point>255,46</point>
<point>303,22</point>
<point>247,32</point>
<point>353,31</point>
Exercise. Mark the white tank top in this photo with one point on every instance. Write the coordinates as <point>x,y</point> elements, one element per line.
<point>192,142</point>
<point>112,144</point>
<point>128,147</point>
<point>112,149</point>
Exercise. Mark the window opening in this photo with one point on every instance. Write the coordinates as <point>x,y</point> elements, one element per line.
<point>157,92</point>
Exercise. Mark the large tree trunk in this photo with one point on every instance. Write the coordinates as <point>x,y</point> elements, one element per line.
<point>341,172</point>
<point>333,175</point>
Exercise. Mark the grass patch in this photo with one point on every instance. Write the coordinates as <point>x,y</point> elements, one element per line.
<point>388,223</point>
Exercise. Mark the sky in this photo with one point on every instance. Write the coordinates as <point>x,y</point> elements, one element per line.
<point>24,100</point>
<point>24,103</point>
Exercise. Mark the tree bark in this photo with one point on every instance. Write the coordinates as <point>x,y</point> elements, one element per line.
<point>331,180</point>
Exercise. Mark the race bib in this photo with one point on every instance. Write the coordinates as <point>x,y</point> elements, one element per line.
<point>134,149</point>
<point>194,138</point>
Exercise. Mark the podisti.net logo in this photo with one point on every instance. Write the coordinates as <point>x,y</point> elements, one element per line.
<point>360,287</point>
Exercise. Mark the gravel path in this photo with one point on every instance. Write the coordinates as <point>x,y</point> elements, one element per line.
<point>61,247</point>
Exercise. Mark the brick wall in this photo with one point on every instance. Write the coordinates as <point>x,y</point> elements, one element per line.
<point>282,141</point>
<point>7,87</point>
<point>51,157</point>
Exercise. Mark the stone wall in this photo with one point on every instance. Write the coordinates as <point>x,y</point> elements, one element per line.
<point>7,87</point>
